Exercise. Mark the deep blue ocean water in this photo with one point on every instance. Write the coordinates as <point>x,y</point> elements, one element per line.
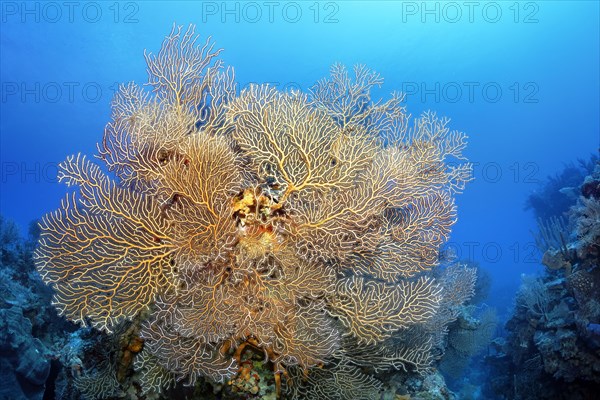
<point>520,78</point>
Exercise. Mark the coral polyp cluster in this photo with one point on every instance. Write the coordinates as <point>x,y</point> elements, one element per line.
<point>299,225</point>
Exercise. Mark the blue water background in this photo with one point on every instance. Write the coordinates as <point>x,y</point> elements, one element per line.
<point>543,56</point>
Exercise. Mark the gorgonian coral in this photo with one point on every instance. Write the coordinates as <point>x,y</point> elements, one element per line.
<point>277,220</point>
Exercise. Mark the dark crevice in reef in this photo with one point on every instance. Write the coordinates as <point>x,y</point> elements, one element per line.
<point>55,368</point>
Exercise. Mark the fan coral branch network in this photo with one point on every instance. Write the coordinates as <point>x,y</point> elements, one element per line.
<point>306,226</point>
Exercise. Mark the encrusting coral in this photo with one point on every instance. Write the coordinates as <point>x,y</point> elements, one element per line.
<point>289,223</point>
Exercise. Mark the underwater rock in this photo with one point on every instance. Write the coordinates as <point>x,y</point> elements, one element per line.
<point>560,316</point>
<point>31,334</point>
<point>25,364</point>
<point>594,328</point>
<point>555,260</point>
<point>591,186</point>
<point>434,388</point>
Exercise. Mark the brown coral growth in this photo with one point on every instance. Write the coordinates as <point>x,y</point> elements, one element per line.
<point>257,217</point>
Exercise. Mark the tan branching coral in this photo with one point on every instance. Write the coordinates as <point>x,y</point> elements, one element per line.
<point>153,377</point>
<point>186,357</point>
<point>373,311</point>
<point>340,382</point>
<point>417,344</point>
<point>106,251</point>
<point>411,349</point>
<point>101,384</point>
<point>280,222</point>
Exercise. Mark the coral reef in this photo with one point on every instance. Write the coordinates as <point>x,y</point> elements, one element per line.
<point>302,227</point>
<point>25,362</point>
<point>552,350</point>
<point>557,194</point>
<point>31,334</point>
